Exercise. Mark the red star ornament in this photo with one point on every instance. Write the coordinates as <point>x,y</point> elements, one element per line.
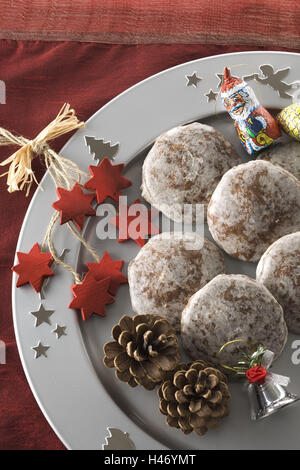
<point>107,180</point>
<point>33,267</point>
<point>91,296</point>
<point>108,268</point>
<point>134,226</point>
<point>74,205</point>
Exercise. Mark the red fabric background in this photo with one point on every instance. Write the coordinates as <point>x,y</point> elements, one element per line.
<point>40,77</point>
<point>248,22</point>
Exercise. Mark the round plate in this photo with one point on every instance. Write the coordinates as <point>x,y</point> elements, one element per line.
<point>80,397</point>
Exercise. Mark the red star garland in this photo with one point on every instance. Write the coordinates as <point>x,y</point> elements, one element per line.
<point>107,180</point>
<point>91,296</point>
<point>74,205</point>
<point>33,267</point>
<point>107,268</point>
<point>123,221</point>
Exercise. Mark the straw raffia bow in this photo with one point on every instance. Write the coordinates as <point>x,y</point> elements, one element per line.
<point>63,171</point>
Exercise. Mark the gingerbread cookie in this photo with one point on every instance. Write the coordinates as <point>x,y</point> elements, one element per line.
<point>279,270</point>
<point>253,205</point>
<point>231,307</point>
<point>166,272</point>
<point>286,156</point>
<point>184,166</point>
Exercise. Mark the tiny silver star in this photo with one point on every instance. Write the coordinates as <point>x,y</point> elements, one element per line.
<point>60,331</point>
<point>212,96</point>
<point>193,80</point>
<point>40,350</point>
<point>42,315</point>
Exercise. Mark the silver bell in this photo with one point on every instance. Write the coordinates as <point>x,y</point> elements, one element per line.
<point>268,398</point>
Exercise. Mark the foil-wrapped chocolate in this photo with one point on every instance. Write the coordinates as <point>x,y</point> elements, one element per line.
<point>289,120</point>
<point>256,128</point>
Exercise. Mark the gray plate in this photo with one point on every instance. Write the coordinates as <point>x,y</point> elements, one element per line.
<point>79,397</point>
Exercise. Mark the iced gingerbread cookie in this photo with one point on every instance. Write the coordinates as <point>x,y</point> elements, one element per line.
<point>286,156</point>
<point>253,205</point>
<point>231,307</point>
<point>166,272</point>
<point>184,166</point>
<point>279,270</point>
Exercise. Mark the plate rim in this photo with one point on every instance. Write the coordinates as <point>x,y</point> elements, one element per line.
<point>15,291</point>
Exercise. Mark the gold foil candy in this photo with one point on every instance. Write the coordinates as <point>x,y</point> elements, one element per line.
<point>289,120</point>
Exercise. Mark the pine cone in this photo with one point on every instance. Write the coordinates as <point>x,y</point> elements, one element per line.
<point>194,398</point>
<point>144,351</point>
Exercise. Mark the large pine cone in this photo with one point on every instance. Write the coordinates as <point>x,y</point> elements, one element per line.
<point>144,351</point>
<point>194,398</point>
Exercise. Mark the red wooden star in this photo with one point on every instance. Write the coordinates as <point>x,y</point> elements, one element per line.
<point>108,268</point>
<point>33,267</point>
<point>135,231</point>
<point>74,205</point>
<point>107,180</point>
<point>91,296</point>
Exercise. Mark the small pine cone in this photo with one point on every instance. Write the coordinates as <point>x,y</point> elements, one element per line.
<point>144,351</point>
<point>194,397</point>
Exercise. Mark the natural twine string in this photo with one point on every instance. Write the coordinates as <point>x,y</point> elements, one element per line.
<point>48,239</point>
<point>63,171</point>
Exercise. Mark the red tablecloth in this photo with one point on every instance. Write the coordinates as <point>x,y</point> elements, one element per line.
<point>41,75</point>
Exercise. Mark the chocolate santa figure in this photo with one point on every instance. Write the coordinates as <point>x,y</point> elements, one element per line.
<point>256,128</point>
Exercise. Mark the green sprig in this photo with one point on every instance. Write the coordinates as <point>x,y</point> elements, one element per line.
<point>250,360</point>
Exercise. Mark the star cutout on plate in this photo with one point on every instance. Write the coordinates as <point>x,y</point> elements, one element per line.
<point>134,226</point>
<point>40,350</point>
<point>211,95</point>
<point>42,315</point>
<point>60,331</point>
<point>107,180</point>
<point>107,267</point>
<point>74,205</point>
<point>33,267</point>
<point>91,296</point>
<point>193,80</point>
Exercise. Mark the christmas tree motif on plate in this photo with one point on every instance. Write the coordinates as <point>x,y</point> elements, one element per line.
<point>273,79</point>
<point>118,440</point>
<point>100,149</point>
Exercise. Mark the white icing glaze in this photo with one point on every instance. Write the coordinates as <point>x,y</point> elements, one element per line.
<point>165,273</point>
<point>253,205</point>
<point>184,166</point>
<point>231,307</point>
<point>286,156</point>
<point>279,270</point>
